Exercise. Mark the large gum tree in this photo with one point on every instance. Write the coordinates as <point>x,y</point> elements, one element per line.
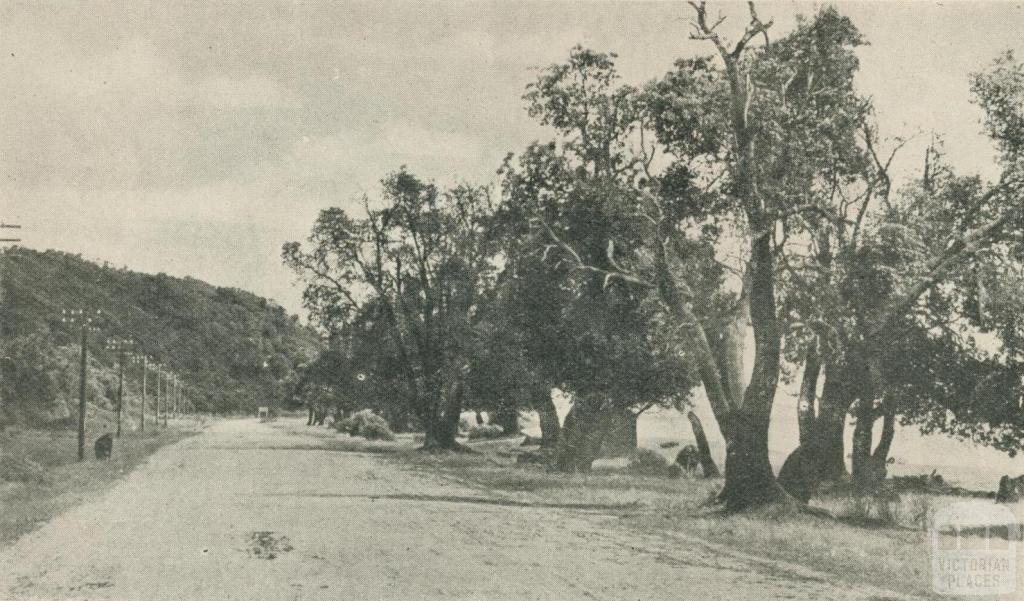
<point>420,260</point>
<point>717,167</point>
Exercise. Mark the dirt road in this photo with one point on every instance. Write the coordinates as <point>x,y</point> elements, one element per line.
<point>246,511</point>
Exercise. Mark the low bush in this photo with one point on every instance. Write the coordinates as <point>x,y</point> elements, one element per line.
<point>647,462</point>
<point>883,508</point>
<point>485,431</point>
<point>346,425</point>
<point>377,429</point>
<point>14,468</point>
<point>367,424</point>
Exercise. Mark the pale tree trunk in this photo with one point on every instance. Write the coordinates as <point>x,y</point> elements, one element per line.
<point>749,479</point>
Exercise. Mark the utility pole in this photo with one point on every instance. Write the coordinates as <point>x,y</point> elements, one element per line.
<point>3,346</point>
<point>78,317</point>
<point>168,392</point>
<point>156,416</point>
<point>121,346</point>
<point>142,415</point>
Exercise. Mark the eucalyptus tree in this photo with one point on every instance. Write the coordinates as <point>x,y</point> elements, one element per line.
<point>596,337</point>
<point>421,257</point>
<point>600,341</point>
<point>900,285</point>
<point>710,173</point>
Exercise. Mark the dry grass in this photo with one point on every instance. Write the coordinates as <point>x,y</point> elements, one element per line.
<point>880,541</point>
<point>55,481</point>
<point>884,554</point>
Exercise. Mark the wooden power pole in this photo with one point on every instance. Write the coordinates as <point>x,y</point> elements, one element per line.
<point>84,320</point>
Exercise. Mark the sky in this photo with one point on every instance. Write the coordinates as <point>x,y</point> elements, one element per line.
<point>195,138</point>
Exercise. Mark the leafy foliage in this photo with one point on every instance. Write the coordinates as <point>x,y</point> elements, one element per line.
<point>367,424</point>
<point>419,265</point>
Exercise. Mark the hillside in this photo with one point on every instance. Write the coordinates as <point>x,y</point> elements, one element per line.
<point>232,349</point>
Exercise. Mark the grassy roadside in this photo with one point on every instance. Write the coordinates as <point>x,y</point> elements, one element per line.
<point>40,477</point>
<point>895,558</point>
<point>882,542</point>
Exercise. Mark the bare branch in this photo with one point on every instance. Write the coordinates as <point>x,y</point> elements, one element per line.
<point>583,266</point>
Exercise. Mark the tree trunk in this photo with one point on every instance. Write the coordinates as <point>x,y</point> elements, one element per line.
<point>707,462</point>
<point>801,472</point>
<point>506,415</point>
<point>875,466</point>
<point>863,472</point>
<point>620,440</point>
<point>881,453</point>
<point>580,442</point>
<point>309,420</point>
<point>749,479</point>
<point>820,456</point>
<point>805,401</point>
<point>441,424</point>
<point>550,429</point>
<point>799,476</point>
<point>398,417</point>
<point>827,444</point>
<point>439,436</point>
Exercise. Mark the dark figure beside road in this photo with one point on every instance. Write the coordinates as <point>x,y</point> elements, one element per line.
<point>104,445</point>
<point>689,458</point>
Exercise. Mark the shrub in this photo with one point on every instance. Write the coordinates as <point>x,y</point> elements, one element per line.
<point>14,468</point>
<point>346,425</point>
<point>367,424</point>
<point>464,425</point>
<point>376,429</point>
<point>486,431</point>
<point>647,462</point>
<point>885,508</point>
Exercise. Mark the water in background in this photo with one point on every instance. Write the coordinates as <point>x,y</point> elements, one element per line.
<point>960,463</point>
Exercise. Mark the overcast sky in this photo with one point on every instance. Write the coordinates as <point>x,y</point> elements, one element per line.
<point>195,138</point>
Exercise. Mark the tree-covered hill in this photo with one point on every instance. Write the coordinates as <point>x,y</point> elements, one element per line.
<point>232,349</point>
